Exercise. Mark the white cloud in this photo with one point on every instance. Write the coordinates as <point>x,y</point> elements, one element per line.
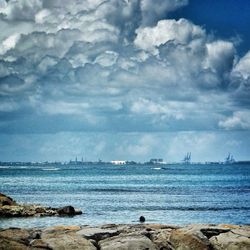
<point>243,66</point>
<point>220,56</point>
<point>21,9</point>
<point>66,108</point>
<point>9,43</point>
<point>239,120</point>
<point>170,109</point>
<point>108,58</point>
<point>42,15</point>
<point>181,31</point>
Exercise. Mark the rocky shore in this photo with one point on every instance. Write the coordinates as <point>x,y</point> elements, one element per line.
<point>10,208</point>
<point>128,237</point>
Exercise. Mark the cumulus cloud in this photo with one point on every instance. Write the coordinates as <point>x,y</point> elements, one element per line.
<point>20,10</point>
<point>220,56</point>
<point>115,66</point>
<point>178,32</point>
<point>9,43</point>
<point>243,66</point>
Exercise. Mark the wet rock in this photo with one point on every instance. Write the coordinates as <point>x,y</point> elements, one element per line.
<point>6,200</point>
<point>142,219</point>
<point>96,233</point>
<point>127,242</point>
<point>68,210</point>
<point>9,208</point>
<point>230,241</point>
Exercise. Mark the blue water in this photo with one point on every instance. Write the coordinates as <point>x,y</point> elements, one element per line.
<point>178,194</point>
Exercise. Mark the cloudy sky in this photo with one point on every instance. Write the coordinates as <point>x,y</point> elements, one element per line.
<point>124,79</point>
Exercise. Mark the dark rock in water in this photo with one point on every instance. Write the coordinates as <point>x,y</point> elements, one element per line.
<point>9,208</point>
<point>142,219</point>
<point>68,210</point>
<point>6,200</point>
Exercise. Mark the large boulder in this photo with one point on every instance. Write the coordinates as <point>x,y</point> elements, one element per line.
<point>231,241</point>
<point>127,242</point>
<point>67,241</point>
<point>16,234</point>
<point>185,239</point>
<point>7,244</point>
<point>161,238</point>
<point>6,200</point>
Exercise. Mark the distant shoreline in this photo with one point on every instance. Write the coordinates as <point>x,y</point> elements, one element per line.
<point>37,164</point>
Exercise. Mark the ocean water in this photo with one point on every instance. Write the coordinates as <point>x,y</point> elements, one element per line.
<point>175,194</point>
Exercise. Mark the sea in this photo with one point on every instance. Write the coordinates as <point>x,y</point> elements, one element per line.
<point>170,194</point>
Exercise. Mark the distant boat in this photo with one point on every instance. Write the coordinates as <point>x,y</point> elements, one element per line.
<point>229,159</point>
<point>187,158</point>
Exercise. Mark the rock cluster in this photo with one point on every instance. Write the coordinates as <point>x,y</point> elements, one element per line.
<point>9,208</point>
<point>128,237</point>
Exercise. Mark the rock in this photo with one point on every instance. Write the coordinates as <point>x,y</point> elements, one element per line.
<point>6,200</point>
<point>68,241</point>
<point>62,228</point>
<point>6,244</point>
<point>161,239</point>
<point>16,234</point>
<point>142,219</point>
<point>230,241</point>
<point>9,208</point>
<point>210,232</point>
<point>184,239</point>
<point>96,233</point>
<point>68,210</point>
<point>38,243</point>
<point>230,226</point>
<point>127,242</point>
<point>11,211</point>
<point>58,230</point>
<point>161,226</point>
<point>126,237</point>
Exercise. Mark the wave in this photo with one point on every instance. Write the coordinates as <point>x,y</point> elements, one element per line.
<point>156,168</point>
<point>170,208</point>
<point>50,169</point>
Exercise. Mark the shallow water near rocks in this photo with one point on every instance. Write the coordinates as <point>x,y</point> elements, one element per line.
<point>175,194</point>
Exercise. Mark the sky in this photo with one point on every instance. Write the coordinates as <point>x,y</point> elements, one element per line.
<point>124,80</point>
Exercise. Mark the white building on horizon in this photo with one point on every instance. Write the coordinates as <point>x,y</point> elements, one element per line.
<point>118,162</point>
